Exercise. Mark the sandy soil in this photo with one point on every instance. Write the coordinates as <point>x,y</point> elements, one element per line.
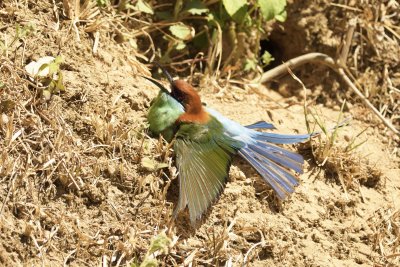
<point>74,189</point>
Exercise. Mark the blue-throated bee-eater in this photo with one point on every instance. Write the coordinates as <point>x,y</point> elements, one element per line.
<point>206,141</point>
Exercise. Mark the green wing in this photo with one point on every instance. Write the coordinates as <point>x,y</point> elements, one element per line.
<point>203,157</point>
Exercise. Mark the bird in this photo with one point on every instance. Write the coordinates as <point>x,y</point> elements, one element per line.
<point>205,143</point>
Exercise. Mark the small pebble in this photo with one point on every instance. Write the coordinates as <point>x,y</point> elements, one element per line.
<point>4,119</point>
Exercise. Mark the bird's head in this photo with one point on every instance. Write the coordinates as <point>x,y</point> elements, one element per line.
<point>180,90</point>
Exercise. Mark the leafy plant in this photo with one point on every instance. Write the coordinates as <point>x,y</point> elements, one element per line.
<point>159,244</point>
<point>46,72</point>
<point>102,3</point>
<point>226,32</point>
<point>20,33</point>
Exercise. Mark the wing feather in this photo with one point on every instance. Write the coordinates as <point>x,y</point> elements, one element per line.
<point>203,161</point>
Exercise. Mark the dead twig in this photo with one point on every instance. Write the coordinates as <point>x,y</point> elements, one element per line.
<point>337,65</point>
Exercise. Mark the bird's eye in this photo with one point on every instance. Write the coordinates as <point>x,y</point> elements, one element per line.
<point>178,95</point>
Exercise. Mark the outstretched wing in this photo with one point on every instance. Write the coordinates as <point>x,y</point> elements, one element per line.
<point>203,157</point>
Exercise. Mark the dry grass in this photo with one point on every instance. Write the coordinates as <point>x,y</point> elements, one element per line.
<point>76,187</point>
<point>386,225</point>
<point>51,152</point>
<point>340,161</point>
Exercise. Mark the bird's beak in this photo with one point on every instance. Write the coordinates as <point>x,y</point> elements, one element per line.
<point>166,73</point>
<point>158,84</point>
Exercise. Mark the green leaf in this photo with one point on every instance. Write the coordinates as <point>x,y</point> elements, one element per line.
<point>236,9</point>
<point>251,64</point>
<point>159,243</point>
<point>22,32</point>
<point>180,45</point>
<point>177,8</point>
<point>273,9</point>
<point>267,58</point>
<point>102,3</point>
<point>42,67</point>
<point>196,7</point>
<point>60,85</point>
<point>53,68</point>
<point>182,31</point>
<point>211,16</point>
<point>144,7</point>
<point>281,17</point>
<point>58,60</point>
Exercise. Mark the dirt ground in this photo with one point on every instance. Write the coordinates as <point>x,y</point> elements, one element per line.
<point>75,189</point>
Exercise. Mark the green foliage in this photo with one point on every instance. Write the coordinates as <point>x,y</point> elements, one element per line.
<point>46,73</point>
<point>55,76</point>
<point>102,3</point>
<point>267,58</point>
<point>236,9</point>
<point>228,31</point>
<point>182,31</point>
<point>273,9</point>
<point>160,244</point>
<point>21,32</point>
<point>196,7</point>
<point>250,64</point>
<point>144,7</point>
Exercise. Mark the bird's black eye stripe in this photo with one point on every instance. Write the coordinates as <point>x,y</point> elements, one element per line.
<point>177,94</point>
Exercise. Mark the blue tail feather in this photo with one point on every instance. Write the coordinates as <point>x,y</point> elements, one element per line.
<point>281,138</point>
<point>291,155</point>
<point>282,171</point>
<point>274,181</point>
<point>288,138</point>
<point>278,158</point>
<point>261,125</point>
<point>276,176</point>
